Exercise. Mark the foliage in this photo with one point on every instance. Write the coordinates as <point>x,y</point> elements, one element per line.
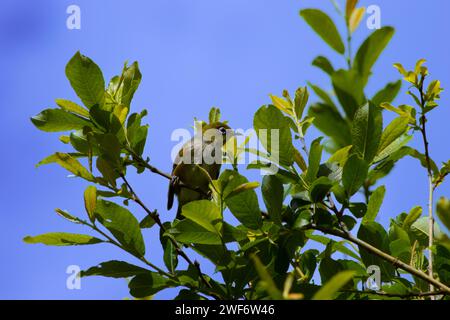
<point>310,202</point>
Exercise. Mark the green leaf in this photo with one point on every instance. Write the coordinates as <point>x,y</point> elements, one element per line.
<point>70,106</point>
<point>273,195</point>
<point>387,94</point>
<point>374,205</point>
<point>320,188</point>
<point>358,209</point>
<point>442,262</point>
<point>354,174</point>
<point>214,115</point>
<point>324,64</point>
<point>443,211</point>
<point>107,171</point>
<point>231,234</point>
<point>371,49</point>
<point>349,90</point>
<point>315,156</point>
<point>300,101</point>
<point>331,123</point>
<point>367,130</point>
<point>340,156</point>
<point>69,163</point>
<point>217,254</point>
<point>401,249</point>
<point>62,239</point>
<point>109,148</point>
<point>420,228</point>
<point>145,285</point>
<point>137,133</point>
<point>322,24</point>
<point>170,256</point>
<point>64,139</point>
<point>67,216</point>
<point>86,79</point>
<point>101,118</point>
<point>57,120</point>
<point>412,217</point>
<point>403,111</point>
<point>322,94</point>
<point>204,213</point>
<point>90,201</point>
<point>391,138</point>
<point>335,246</point>
<point>308,264</point>
<point>269,118</point>
<point>266,279</point>
<point>282,104</point>
<point>302,219</point>
<point>147,222</point>
<point>122,224</point>
<point>374,234</point>
<point>244,205</point>
<point>114,269</point>
<point>131,79</point>
<point>350,6</point>
<point>82,143</point>
<point>329,290</point>
<point>243,187</point>
<point>187,231</point>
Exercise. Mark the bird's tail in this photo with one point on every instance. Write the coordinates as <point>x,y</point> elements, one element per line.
<point>179,216</point>
<point>171,193</point>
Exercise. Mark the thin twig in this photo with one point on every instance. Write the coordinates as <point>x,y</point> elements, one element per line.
<point>114,242</point>
<point>394,261</point>
<point>157,220</point>
<point>423,130</point>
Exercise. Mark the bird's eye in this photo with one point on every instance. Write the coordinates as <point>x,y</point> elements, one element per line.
<point>222,130</point>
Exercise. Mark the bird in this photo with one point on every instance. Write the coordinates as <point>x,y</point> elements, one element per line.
<point>197,164</point>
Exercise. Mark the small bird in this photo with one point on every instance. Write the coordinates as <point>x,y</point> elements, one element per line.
<point>192,172</point>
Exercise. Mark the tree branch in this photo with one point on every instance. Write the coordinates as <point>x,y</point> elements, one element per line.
<point>157,220</point>
<point>395,295</point>
<point>114,242</point>
<point>394,261</point>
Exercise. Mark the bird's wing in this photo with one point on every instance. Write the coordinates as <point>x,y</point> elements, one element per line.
<point>187,148</point>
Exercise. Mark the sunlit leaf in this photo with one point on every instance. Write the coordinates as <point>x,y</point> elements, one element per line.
<point>371,49</point>
<point>374,205</point>
<point>354,174</point>
<point>366,131</point>
<point>62,239</point>
<point>114,269</point>
<point>57,120</point>
<point>90,201</point>
<point>330,289</point>
<point>322,24</point>
<point>122,224</point>
<point>86,79</point>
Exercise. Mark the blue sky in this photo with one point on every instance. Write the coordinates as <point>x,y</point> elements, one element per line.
<point>193,55</point>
